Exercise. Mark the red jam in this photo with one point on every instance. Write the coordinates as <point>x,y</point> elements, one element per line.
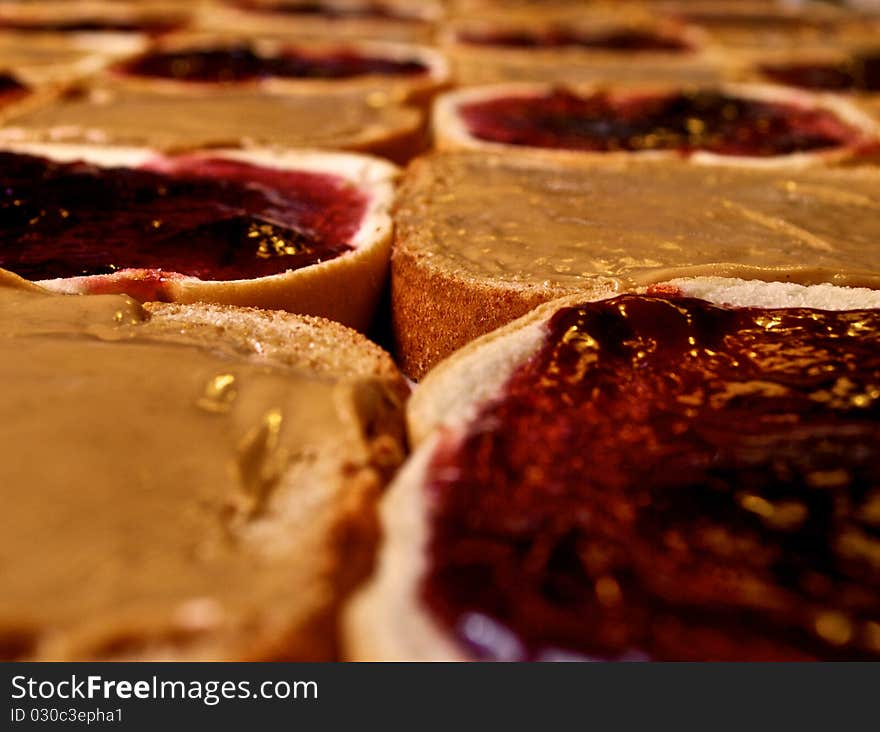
<point>668,479</point>
<point>243,63</point>
<point>686,122</point>
<point>208,218</point>
<point>861,73</point>
<point>11,88</point>
<point>619,40</point>
<point>151,26</point>
<point>333,11</point>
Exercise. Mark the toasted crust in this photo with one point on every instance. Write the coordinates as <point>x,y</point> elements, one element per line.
<point>387,619</point>
<point>434,313</point>
<point>345,289</point>
<point>450,133</point>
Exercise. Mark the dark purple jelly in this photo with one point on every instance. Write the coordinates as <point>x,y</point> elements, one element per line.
<point>668,479</point>
<point>149,25</point>
<point>242,63</point>
<point>209,218</point>
<point>11,88</point>
<point>860,73</point>
<point>686,122</point>
<point>334,10</point>
<point>624,40</point>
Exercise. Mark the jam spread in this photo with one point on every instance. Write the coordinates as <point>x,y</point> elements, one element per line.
<point>861,73</point>
<point>333,11</point>
<point>11,88</point>
<point>152,26</point>
<point>619,40</point>
<point>209,218</point>
<point>669,479</point>
<point>687,122</point>
<point>242,63</point>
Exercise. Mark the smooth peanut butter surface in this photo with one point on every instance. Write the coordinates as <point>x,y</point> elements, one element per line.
<point>507,221</point>
<point>191,118</point>
<point>162,498</point>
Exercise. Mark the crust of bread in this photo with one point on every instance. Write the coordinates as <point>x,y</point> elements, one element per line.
<point>387,620</point>
<point>450,133</point>
<point>346,288</point>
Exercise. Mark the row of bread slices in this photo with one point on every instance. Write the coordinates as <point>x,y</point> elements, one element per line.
<point>367,96</point>
<point>648,35</point>
<point>481,238</point>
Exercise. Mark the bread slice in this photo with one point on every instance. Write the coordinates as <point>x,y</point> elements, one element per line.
<point>390,620</point>
<point>345,288</point>
<point>753,24</point>
<point>856,134</point>
<point>585,45</point>
<point>212,482</point>
<point>110,112</point>
<point>390,20</point>
<point>482,239</point>
<point>396,86</point>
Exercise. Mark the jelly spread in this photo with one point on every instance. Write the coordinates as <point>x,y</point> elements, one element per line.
<point>124,115</point>
<point>686,122</point>
<point>144,508</point>
<point>668,479</point>
<point>334,11</point>
<point>516,223</point>
<point>151,25</point>
<point>631,40</point>
<point>214,219</point>
<point>11,88</point>
<point>861,73</point>
<point>243,63</point>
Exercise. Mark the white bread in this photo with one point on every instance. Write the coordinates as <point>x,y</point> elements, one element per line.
<point>387,620</point>
<point>315,533</point>
<point>345,289</point>
<point>451,132</point>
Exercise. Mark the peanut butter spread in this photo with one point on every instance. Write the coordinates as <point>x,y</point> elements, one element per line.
<point>164,497</point>
<point>488,66</point>
<point>132,115</point>
<point>517,222</point>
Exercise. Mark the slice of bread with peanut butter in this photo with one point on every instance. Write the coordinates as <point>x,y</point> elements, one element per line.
<point>483,238</point>
<point>184,482</point>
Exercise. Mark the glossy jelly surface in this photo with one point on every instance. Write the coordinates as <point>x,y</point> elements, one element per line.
<point>334,11</point>
<point>214,219</point>
<point>242,63</point>
<point>686,122</point>
<point>630,40</point>
<point>860,73</point>
<point>668,479</point>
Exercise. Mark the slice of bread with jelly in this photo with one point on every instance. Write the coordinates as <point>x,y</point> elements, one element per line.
<point>688,473</point>
<point>728,124</point>
<point>185,482</point>
<point>303,231</point>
